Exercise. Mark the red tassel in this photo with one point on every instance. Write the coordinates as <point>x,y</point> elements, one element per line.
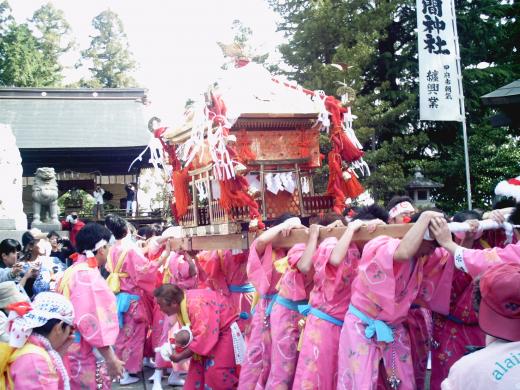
<point>21,308</point>
<point>181,192</point>
<point>92,262</point>
<point>344,146</point>
<point>353,187</point>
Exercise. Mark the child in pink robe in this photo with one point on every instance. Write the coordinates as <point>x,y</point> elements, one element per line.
<point>419,322</point>
<point>177,270</point>
<point>382,294</point>
<point>95,321</point>
<point>225,272</point>
<point>262,275</point>
<point>293,291</point>
<point>210,317</point>
<point>329,299</point>
<point>140,281</point>
<point>33,372</point>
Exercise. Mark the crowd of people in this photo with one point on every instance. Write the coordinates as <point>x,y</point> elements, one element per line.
<point>331,313</point>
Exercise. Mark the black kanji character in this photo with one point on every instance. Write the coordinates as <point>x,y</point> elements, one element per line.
<point>433,24</point>
<point>434,45</point>
<point>432,76</point>
<point>433,7</point>
<point>433,88</point>
<point>433,102</point>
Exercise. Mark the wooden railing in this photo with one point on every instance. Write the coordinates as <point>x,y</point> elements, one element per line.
<point>315,204</point>
<point>312,205</point>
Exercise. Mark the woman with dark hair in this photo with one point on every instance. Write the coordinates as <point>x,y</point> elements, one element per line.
<point>333,265</point>
<point>263,275</point>
<point>212,320</point>
<point>9,251</point>
<point>392,275</point>
<point>92,359</point>
<point>37,259</point>
<point>133,279</point>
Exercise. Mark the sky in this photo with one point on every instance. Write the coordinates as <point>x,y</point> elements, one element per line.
<point>173,41</point>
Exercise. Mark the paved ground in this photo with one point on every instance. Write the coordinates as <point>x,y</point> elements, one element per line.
<point>147,385</point>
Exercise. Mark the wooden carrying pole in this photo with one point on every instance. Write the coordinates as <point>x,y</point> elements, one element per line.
<point>244,240</point>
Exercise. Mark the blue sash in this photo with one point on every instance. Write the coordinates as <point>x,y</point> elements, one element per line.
<point>290,304</point>
<point>242,288</point>
<point>377,328</point>
<point>269,308</point>
<point>454,319</point>
<point>268,297</point>
<point>308,309</point>
<point>123,304</point>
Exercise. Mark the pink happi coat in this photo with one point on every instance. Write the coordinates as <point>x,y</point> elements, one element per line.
<point>95,318</point>
<point>318,361</point>
<point>141,281</point>
<point>213,365</point>
<point>285,332</point>
<point>262,274</point>
<point>477,261</point>
<point>419,325</point>
<point>32,372</point>
<point>223,269</point>
<point>176,271</point>
<point>453,333</point>
<point>385,290</point>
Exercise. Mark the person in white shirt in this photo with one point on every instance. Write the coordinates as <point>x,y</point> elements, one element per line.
<point>497,366</point>
<point>98,199</point>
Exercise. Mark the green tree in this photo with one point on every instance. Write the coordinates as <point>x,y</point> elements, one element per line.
<point>377,43</point>
<point>108,55</point>
<point>21,62</point>
<point>6,18</point>
<point>54,39</point>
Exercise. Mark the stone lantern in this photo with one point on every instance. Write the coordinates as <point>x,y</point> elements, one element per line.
<point>419,189</point>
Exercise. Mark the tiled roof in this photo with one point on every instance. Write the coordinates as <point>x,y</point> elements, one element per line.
<point>75,118</point>
<point>508,94</point>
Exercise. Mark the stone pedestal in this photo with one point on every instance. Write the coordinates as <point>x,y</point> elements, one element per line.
<point>7,224</point>
<point>47,226</point>
<point>13,234</point>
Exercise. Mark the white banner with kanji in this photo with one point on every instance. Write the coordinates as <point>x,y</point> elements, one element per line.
<point>440,84</point>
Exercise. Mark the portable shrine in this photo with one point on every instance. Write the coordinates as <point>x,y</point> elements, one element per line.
<point>246,153</point>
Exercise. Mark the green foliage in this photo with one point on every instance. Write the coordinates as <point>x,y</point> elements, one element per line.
<point>29,53</point>
<point>109,54</point>
<point>74,200</point>
<point>377,43</point>
<point>21,62</point>
<point>54,39</point>
<point>5,17</point>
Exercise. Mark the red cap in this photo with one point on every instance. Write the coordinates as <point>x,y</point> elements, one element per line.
<point>499,312</point>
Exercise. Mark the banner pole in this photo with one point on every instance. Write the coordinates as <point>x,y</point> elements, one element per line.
<point>462,108</point>
<point>466,163</point>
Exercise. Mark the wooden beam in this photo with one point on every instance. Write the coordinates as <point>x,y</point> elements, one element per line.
<point>244,240</point>
<point>300,235</point>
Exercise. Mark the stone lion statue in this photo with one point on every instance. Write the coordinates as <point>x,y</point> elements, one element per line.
<point>45,196</point>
